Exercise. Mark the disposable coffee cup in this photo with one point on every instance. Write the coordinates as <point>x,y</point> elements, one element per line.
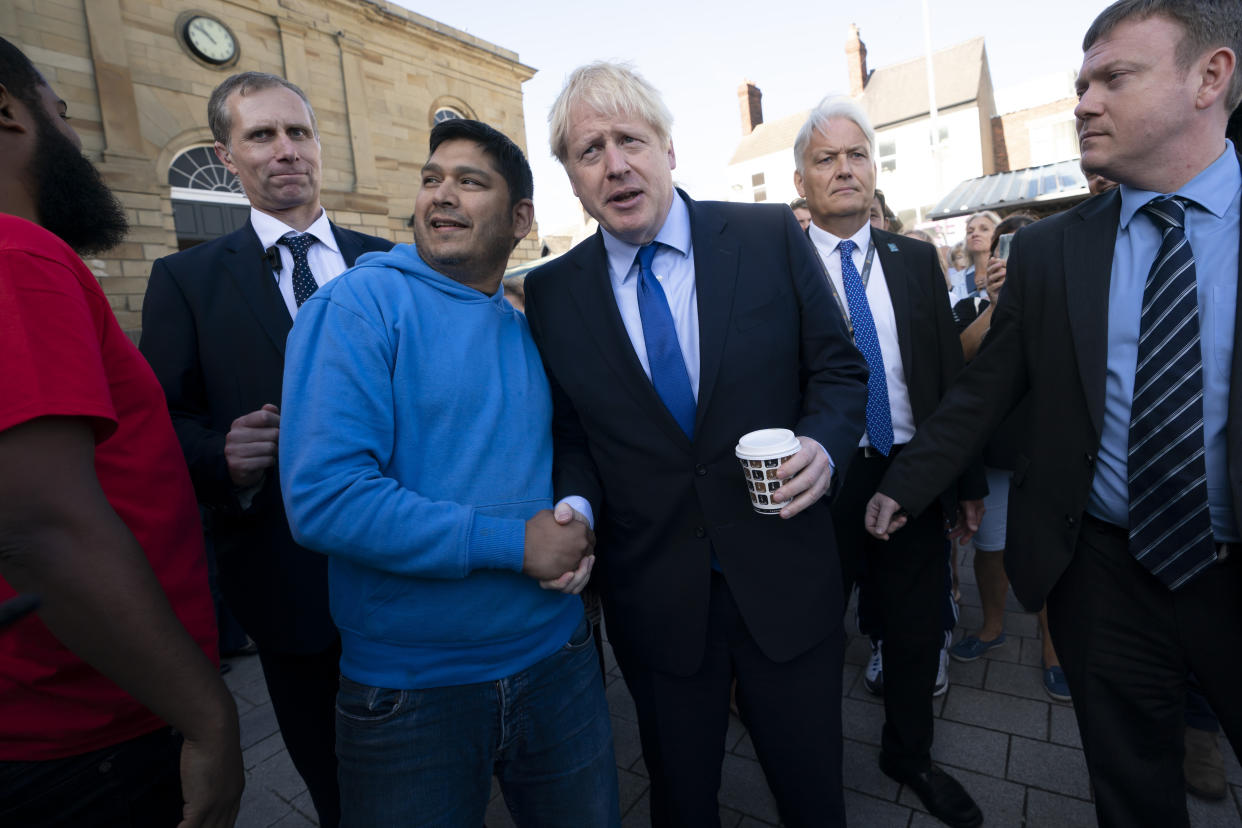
<point>761,454</point>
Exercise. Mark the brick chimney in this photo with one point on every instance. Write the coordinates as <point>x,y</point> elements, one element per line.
<point>856,61</point>
<point>750,99</point>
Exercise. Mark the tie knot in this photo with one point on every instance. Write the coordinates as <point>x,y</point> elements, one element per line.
<point>1166,211</point>
<point>847,247</point>
<point>646,255</point>
<point>298,243</point>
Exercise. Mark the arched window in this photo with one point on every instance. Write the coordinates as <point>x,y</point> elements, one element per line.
<point>445,113</point>
<point>207,199</point>
<point>199,169</point>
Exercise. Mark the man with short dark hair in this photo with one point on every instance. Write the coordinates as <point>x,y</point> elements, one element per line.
<point>417,455</point>
<point>97,519</point>
<point>215,320</point>
<point>801,213</point>
<point>1118,324</point>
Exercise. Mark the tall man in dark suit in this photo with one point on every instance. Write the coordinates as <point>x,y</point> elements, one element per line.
<point>676,329</point>
<point>890,291</point>
<point>215,320</point>
<point>1119,317</point>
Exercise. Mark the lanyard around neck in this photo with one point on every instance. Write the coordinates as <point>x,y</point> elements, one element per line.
<point>865,275</point>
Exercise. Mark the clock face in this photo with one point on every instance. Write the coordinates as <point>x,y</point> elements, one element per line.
<point>210,40</point>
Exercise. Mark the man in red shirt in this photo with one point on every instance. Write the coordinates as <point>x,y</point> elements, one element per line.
<point>97,517</point>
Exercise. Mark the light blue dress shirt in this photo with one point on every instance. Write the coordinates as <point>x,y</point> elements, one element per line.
<point>673,266</point>
<point>1212,229</point>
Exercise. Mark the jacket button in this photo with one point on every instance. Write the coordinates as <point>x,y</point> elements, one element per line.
<point>1069,520</point>
<point>701,470</point>
<point>700,532</point>
<point>1089,457</point>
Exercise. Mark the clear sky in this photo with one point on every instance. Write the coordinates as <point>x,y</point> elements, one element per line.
<point>697,54</point>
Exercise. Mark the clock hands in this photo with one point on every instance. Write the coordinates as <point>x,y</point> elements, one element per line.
<point>200,26</point>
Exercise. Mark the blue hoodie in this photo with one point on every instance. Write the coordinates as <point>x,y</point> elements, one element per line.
<point>415,443</point>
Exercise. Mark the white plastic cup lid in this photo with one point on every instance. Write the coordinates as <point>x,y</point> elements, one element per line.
<point>767,443</point>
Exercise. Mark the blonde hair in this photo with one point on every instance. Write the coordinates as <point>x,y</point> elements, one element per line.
<point>987,214</point>
<point>612,89</point>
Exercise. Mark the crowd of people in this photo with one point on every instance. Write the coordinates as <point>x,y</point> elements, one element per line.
<point>418,496</point>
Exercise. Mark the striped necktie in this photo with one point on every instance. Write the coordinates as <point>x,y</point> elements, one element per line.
<point>1170,526</point>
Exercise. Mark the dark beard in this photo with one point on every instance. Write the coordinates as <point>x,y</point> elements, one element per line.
<point>71,198</point>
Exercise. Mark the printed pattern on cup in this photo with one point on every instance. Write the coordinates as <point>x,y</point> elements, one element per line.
<point>762,482</point>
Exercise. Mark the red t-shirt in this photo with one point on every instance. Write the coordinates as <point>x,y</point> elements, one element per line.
<point>62,353</point>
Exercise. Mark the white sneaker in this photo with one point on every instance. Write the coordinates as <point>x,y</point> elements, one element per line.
<point>942,675</point>
<point>873,678</point>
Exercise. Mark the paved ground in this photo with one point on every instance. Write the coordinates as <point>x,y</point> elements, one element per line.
<point>1016,751</point>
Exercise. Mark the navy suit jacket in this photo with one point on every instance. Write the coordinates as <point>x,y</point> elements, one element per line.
<point>774,353</point>
<point>1048,340</point>
<point>213,327</point>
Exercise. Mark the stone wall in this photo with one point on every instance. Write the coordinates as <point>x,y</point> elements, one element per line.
<point>374,72</point>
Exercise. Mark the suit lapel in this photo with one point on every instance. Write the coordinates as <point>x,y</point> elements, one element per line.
<point>243,261</point>
<point>897,276</point>
<point>1087,266</point>
<point>591,290</point>
<point>716,262</point>
<point>349,243</point>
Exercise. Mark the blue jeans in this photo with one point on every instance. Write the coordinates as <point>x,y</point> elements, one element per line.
<point>427,757</point>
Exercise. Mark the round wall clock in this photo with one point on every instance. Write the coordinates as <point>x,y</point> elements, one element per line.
<point>209,40</point>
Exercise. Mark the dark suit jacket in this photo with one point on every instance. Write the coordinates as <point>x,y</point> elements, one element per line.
<point>1049,336</point>
<point>774,353</point>
<point>213,328</point>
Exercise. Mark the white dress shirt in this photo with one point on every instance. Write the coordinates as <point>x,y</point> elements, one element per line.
<point>324,258</point>
<point>881,304</point>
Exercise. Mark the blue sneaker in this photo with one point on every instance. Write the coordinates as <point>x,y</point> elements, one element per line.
<point>1054,683</point>
<point>971,647</point>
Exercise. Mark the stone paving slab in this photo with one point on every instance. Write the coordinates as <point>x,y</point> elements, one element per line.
<point>1048,767</point>
<point>1016,751</point>
<point>996,712</point>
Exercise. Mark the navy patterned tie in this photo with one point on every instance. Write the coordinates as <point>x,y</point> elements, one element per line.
<point>668,367</point>
<point>303,281</point>
<point>1170,526</point>
<point>879,415</point>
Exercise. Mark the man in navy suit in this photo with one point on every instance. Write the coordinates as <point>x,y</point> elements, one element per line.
<point>892,292</point>
<point>666,336</point>
<point>215,320</point>
<point>1118,322</point>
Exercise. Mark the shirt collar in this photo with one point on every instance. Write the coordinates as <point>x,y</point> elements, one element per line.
<point>1215,189</point>
<point>827,242</point>
<point>270,229</point>
<point>675,233</point>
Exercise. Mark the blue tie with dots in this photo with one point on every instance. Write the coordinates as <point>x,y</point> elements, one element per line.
<point>879,415</point>
<point>668,366</point>
<point>303,282</point>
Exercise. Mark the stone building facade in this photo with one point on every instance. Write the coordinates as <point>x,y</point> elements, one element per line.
<point>137,80</point>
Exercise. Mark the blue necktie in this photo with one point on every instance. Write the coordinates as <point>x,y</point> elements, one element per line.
<point>879,416</point>
<point>1170,525</point>
<point>668,367</point>
<point>303,282</point>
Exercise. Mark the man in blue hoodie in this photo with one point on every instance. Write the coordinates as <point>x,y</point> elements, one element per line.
<point>464,648</point>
